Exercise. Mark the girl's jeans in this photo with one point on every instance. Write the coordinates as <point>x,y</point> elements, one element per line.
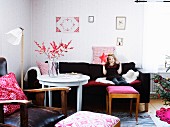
<point>119,81</point>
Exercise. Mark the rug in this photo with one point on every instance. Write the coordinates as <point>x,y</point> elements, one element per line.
<point>144,119</point>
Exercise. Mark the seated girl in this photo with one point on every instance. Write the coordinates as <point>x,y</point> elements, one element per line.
<point>112,69</point>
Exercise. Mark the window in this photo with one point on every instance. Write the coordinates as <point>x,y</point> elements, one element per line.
<point>156,43</point>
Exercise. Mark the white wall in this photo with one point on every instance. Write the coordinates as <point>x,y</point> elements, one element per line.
<point>37,17</point>
<point>156,35</point>
<point>13,14</point>
<point>100,33</point>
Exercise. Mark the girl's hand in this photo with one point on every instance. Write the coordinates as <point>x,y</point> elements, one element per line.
<point>117,62</point>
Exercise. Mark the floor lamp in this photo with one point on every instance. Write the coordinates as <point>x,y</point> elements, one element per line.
<point>15,37</point>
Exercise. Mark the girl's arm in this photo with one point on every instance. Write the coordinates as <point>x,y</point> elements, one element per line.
<point>104,70</point>
<point>120,68</point>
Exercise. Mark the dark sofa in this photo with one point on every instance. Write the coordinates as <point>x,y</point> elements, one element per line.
<point>93,89</point>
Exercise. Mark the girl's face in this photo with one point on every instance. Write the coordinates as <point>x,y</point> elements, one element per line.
<point>111,59</point>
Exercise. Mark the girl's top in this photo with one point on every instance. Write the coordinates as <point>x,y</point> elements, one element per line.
<point>112,71</point>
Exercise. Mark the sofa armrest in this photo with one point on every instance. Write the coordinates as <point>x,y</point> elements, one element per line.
<point>144,77</point>
<point>32,68</point>
<point>30,79</point>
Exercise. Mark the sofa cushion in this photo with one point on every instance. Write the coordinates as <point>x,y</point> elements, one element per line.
<point>43,67</point>
<point>98,51</point>
<point>77,67</point>
<point>10,90</point>
<point>127,66</point>
<point>94,83</point>
<point>95,71</point>
<point>135,83</point>
<point>130,76</point>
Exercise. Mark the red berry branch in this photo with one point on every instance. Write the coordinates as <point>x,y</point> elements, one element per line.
<point>54,51</point>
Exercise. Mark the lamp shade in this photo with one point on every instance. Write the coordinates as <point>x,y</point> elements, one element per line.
<point>14,36</point>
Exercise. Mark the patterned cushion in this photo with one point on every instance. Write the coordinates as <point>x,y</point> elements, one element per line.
<point>10,90</point>
<point>88,119</point>
<point>98,51</point>
<point>43,67</point>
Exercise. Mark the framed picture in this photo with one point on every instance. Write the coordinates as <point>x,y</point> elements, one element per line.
<point>167,61</point>
<point>91,19</point>
<point>67,24</point>
<point>119,41</point>
<point>120,23</point>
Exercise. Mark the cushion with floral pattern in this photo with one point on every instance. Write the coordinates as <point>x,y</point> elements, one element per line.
<point>10,90</point>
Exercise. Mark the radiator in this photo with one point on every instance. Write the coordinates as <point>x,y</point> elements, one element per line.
<point>153,86</point>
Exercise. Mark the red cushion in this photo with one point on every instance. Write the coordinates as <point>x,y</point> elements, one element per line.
<point>136,82</point>
<point>94,83</point>
<point>10,90</point>
<point>121,90</point>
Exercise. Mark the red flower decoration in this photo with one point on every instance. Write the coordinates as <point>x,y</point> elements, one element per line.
<point>103,58</point>
<point>56,51</point>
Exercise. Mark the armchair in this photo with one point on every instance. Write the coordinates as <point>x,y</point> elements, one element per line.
<point>30,115</point>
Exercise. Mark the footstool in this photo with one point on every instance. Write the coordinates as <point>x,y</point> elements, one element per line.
<point>122,92</point>
<point>89,119</point>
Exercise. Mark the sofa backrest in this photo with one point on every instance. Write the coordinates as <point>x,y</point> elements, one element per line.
<point>93,70</point>
<point>96,71</point>
<point>76,67</point>
<point>127,66</point>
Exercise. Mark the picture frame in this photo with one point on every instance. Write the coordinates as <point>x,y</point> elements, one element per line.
<point>167,61</point>
<point>91,19</point>
<point>119,41</point>
<point>120,23</point>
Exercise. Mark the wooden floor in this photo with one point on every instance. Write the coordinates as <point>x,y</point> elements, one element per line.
<point>156,104</point>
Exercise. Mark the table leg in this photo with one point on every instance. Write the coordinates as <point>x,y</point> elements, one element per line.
<point>45,96</point>
<point>50,97</point>
<point>79,98</point>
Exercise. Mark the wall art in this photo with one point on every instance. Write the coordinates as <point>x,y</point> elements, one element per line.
<point>67,24</point>
<point>91,19</point>
<point>120,23</point>
<point>119,41</point>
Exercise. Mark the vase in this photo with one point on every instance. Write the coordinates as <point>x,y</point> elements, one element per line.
<point>53,68</point>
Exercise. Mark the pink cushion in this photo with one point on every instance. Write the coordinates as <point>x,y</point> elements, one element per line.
<point>43,67</point>
<point>164,114</point>
<point>121,90</point>
<point>10,90</point>
<point>98,51</point>
<point>88,119</point>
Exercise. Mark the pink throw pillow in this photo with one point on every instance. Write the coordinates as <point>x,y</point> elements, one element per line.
<point>10,90</point>
<point>43,67</point>
<point>98,51</point>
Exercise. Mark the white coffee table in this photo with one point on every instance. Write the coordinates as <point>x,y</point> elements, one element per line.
<point>70,79</point>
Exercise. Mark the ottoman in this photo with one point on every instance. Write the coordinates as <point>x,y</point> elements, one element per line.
<point>122,92</point>
<point>89,119</point>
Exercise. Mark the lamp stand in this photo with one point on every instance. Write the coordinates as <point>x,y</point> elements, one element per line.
<point>22,59</point>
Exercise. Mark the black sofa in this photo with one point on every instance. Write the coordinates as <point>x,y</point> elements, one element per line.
<point>97,90</point>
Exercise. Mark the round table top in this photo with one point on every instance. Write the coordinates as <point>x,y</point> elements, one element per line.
<point>68,77</point>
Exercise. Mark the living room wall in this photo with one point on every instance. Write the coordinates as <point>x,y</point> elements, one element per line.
<point>100,33</point>
<point>13,14</point>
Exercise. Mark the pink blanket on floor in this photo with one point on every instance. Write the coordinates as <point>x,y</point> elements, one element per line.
<point>164,114</point>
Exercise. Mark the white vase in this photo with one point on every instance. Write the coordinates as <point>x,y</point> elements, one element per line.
<point>53,68</point>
